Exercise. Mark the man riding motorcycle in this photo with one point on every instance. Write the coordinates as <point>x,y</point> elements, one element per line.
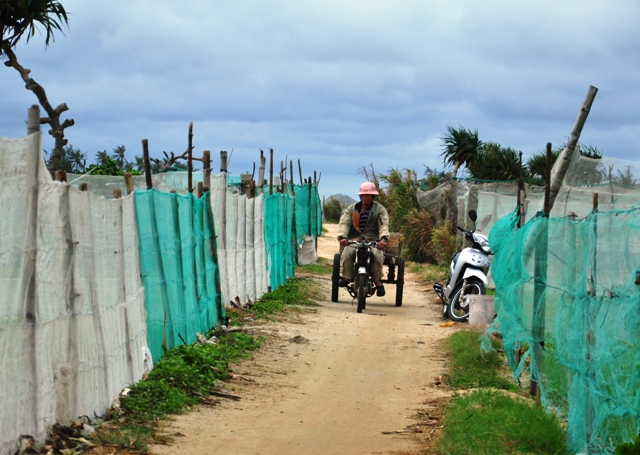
<point>366,220</point>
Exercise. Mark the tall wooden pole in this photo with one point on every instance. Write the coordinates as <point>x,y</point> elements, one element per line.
<point>147,163</point>
<point>539,287</point>
<point>562,163</point>
<point>300,170</point>
<point>190,160</point>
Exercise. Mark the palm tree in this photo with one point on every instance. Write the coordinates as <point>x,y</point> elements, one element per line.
<point>23,17</point>
<point>461,146</point>
<point>102,157</point>
<point>118,155</point>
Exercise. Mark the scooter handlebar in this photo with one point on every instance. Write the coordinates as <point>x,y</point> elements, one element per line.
<point>460,229</point>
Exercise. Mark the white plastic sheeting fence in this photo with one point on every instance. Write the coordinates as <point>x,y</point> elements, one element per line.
<point>239,226</point>
<point>72,317</point>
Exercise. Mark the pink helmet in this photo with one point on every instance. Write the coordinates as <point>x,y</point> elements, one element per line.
<point>368,188</point>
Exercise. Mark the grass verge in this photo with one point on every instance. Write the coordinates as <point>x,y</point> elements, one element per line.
<point>323,267</point>
<point>429,272</point>
<point>493,415</point>
<point>186,375</point>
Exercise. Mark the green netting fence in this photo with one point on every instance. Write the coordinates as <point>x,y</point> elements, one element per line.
<point>178,268</point>
<point>308,210</point>
<point>568,294</point>
<point>279,237</point>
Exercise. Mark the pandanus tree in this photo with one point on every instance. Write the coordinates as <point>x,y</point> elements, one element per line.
<point>461,147</point>
<point>20,19</point>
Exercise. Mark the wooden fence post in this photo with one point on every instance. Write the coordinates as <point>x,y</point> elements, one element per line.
<point>61,176</point>
<point>128,182</point>
<point>33,119</point>
<point>83,187</point>
<point>190,160</point>
<point>147,163</point>
<point>206,165</point>
<point>271,171</point>
<point>117,193</point>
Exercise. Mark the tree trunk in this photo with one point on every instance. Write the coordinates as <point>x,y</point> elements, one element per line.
<point>53,119</point>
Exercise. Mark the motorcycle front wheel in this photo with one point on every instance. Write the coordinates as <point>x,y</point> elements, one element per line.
<point>362,292</point>
<point>459,305</point>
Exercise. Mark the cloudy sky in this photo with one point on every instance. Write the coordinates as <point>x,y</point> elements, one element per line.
<point>336,84</point>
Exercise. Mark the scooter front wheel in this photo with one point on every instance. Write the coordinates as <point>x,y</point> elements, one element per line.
<point>362,292</point>
<point>459,307</point>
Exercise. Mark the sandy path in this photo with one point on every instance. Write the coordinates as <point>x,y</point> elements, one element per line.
<point>358,375</point>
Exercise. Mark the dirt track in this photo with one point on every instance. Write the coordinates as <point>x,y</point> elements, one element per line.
<point>359,375</point>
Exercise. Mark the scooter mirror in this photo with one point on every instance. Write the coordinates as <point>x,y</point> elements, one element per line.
<point>473,215</point>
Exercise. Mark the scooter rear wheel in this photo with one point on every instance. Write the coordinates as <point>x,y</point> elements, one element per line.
<point>459,306</point>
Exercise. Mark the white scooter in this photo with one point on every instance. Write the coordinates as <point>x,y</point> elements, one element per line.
<point>466,275</point>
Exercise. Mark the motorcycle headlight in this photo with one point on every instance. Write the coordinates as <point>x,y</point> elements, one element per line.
<point>483,242</point>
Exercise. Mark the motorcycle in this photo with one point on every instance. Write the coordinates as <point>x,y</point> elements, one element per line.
<point>363,285</point>
<point>466,275</point>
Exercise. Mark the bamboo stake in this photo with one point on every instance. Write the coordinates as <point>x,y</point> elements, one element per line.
<point>147,163</point>
<point>190,160</point>
<point>300,170</point>
<point>291,171</point>
<point>117,193</point>
<point>562,163</point>
<point>83,187</point>
<point>200,189</point>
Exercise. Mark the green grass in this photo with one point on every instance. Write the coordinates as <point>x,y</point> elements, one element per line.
<point>497,418</point>
<point>185,375</point>
<point>488,422</point>
<point>429,272</point>
<point>471,368</point>
<point>323,267</point>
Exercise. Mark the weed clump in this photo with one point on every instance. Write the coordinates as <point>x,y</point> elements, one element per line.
<point>185,375</point>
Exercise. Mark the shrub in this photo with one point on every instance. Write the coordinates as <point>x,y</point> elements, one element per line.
<point>332,210</point>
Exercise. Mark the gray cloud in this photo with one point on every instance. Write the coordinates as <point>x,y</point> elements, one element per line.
<point>339,84</point>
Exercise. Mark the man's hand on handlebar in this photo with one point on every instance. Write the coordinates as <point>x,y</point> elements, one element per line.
<point>382,245</point>
<point>344,242</point>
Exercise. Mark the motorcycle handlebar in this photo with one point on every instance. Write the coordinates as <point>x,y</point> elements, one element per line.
<point>358,243</point>
<point>460,229</point>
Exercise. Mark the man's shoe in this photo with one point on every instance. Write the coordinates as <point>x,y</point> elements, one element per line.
<point>380,291</point>
<point>343,283</point>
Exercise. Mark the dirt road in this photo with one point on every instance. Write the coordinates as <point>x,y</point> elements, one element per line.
<point>352,377</point>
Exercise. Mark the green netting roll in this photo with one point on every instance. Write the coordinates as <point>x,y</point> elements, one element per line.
<point>308,210</point>
<point>178,268</point>
<point>574,285</point>
<point>279,240</point>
